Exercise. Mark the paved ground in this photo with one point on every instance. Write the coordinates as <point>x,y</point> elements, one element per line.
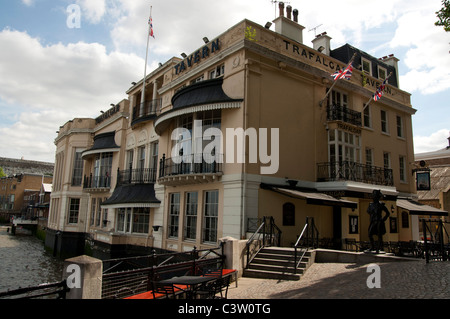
<point>399,280</point>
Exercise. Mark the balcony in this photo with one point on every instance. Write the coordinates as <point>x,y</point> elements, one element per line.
<point>97,183</point>
<point>136,176</point>
<point>351,171</point>
<point>190,169</point>
<point>344,114</point>
<point>146,111</point>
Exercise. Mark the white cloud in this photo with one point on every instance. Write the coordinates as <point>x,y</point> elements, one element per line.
<point>56,83</point>
<point>93,10</point>
<point>428,56</point>
<point>434,142</point>
<point>28,3</point>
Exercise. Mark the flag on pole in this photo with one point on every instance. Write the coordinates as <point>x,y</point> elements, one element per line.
<point>150,22</point>
<point>344,74</point>
<point>379,92</point>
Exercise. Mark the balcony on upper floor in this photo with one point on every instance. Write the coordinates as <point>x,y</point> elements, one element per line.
<point>136,176</point>
<point>344,114</point>
<point>352,171</point>
<point>97,183</point>
<point>190,169</point>
<point>146,111</point>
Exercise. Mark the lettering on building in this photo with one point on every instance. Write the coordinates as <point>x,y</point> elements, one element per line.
<point>197,56</point>
<point>107,114</point>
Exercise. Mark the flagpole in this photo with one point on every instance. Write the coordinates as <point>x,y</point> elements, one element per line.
<point>141,110</point>
<point>331,88</point>
<point>371,98</point>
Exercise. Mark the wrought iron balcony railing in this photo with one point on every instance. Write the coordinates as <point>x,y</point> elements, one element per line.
<point>190,164</point>
<point>351,171</point>
<point>136,176</point>
<point>96,182</point>
<point>146,111</point>
<point>342,113</point>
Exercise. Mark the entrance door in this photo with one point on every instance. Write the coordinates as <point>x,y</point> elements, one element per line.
<point>337,227</point>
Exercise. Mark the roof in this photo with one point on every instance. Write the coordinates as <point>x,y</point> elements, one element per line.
<point>439,181</point>
<point>416,208</point>
<point>313,198</point>
<point>135,195</point>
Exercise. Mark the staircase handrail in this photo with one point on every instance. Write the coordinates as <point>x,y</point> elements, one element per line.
<point>296,246</point>
<point>250,241</point>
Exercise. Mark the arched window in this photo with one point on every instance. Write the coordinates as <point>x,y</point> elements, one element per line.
<point>288,214</point>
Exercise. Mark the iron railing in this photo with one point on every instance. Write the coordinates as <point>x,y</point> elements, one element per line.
<point>146,111</point>
<point>136,176</point>
<point>352,171</point>
<point>267,234</point>
<point>124,277</point>
<point>342,113</point>
<point>434,244</point>
<point>190,164</point>
<point>59,289</point>
<point>94,182</point>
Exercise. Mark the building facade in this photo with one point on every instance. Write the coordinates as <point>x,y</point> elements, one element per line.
<point>244,127</point>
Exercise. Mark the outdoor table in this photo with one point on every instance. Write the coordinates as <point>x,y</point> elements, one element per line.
<point>192,283</point>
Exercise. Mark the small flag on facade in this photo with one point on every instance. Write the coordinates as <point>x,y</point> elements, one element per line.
<point>344,74</point>
<point>379,93</point>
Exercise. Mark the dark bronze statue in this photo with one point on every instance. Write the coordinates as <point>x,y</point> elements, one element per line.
<point>377,226</point>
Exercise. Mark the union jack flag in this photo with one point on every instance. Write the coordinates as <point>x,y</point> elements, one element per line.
<point>344,74</point>
<point>379,93</point>
<point>150,22</point>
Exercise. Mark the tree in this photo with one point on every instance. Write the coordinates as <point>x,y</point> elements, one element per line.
<point>444,15</point>
<point>2,173</point>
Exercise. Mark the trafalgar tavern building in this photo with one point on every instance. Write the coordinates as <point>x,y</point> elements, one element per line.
<point>244,127</point>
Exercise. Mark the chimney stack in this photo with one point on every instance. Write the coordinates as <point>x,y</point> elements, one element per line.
<point>289,12</point>
<point>322,43</point>
<point>281,6</point>
<point>287,27</point>
<point>295,15</point>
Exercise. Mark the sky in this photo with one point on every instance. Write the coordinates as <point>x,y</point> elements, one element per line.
<point>63,59</point>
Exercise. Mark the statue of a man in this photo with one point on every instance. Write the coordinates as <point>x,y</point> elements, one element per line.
<point>377,226</point>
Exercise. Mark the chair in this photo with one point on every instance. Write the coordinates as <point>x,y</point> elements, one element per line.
<point>163,291</point>
<point>212,289</point>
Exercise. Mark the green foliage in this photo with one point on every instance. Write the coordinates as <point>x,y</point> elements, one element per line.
<point>444,15</point>
<point>2,173</point>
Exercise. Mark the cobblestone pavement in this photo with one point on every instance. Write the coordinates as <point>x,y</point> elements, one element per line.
<point>399,280</point>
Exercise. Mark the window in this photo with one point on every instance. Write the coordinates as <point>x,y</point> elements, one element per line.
<point>339,98</point>
<point>366,66</point>
<point>74,208</point>
<point>386,160</point>
<point>381,73</point>
<point>211,212</point>
<point>133,220</point>
<point>384,122</point>
<point>141,163</point>
<point>344,146</point>
<point>98,212</point>
<point>405,220</point>
<point>369,157</point>
<point>154,159</point>
<point>402,165</point>
<point>130,156</point>
<point>399,126</point>
<point>102,170</point>
<point>77,173</point>
<point>288,214</point>
<point>217,72</point>
<point>367,117</point>
<point>141,219</point>
<point>174,214</point>
<point>190,223</point>
<point>93,209</point>
<point>199,79</point>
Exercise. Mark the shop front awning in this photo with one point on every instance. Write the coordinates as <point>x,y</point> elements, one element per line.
<point>133,196</point>
<point>416,208</point>
<point>314,198</point>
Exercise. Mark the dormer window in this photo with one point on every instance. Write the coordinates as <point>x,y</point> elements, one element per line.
<point>366,66</point>
<point>382,73</point>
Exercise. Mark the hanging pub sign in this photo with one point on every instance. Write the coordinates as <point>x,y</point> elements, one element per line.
<point>423,181</point>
